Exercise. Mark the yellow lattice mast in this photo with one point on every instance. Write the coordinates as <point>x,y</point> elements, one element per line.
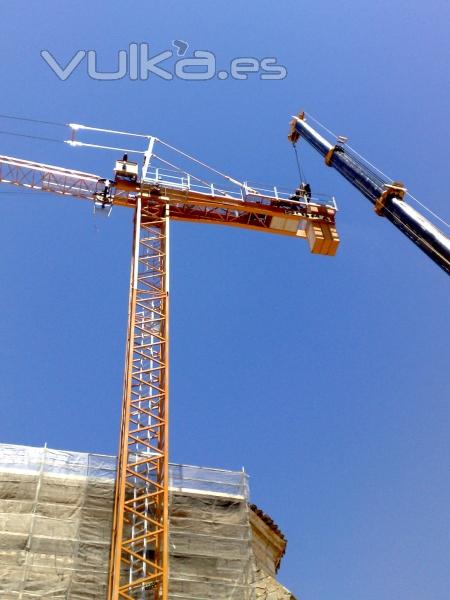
<point>139,549</point>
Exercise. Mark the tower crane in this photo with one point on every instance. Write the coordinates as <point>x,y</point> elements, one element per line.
<point>388,197</point>
<point>140,544</point>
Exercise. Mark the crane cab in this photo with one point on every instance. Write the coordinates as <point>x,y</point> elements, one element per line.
<point>126,169</point>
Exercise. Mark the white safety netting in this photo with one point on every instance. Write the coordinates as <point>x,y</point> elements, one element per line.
<point>55,527</point>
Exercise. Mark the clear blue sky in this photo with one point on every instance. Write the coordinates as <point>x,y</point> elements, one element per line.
<point>326,378</point>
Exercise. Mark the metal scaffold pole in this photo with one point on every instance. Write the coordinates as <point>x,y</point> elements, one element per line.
<point>139,549</point>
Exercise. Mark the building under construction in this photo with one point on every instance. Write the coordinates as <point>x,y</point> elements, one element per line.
<point>56,511</point>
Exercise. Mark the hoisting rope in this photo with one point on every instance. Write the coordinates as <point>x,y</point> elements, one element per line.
<point>199,162</point>
<point>428,209</point>
<point>364,162</point>
<point>300,172</point>
<point>14,118</point>
<point>356,155</point>
<point>31,137</point>
<point>416,236</point>
<point>179,169</point>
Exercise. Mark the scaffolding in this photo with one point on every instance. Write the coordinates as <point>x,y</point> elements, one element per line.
<point>55,527</point>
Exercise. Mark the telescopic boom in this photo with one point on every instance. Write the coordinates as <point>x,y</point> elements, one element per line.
<point>387,197</point>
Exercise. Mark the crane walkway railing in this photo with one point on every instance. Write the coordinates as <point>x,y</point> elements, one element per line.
<point>183,181</point>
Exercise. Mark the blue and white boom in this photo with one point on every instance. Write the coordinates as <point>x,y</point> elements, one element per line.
<point>387,197</point>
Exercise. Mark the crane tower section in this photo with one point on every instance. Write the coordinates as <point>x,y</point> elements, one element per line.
<point>160,191</point>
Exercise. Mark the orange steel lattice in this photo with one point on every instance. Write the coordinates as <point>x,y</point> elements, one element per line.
<point>139,549</point>
<point>139,554</point>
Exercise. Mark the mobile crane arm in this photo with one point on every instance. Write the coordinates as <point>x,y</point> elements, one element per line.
<point>387,198</point>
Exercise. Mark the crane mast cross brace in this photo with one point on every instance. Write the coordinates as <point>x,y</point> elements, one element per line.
<point>139,550</point>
